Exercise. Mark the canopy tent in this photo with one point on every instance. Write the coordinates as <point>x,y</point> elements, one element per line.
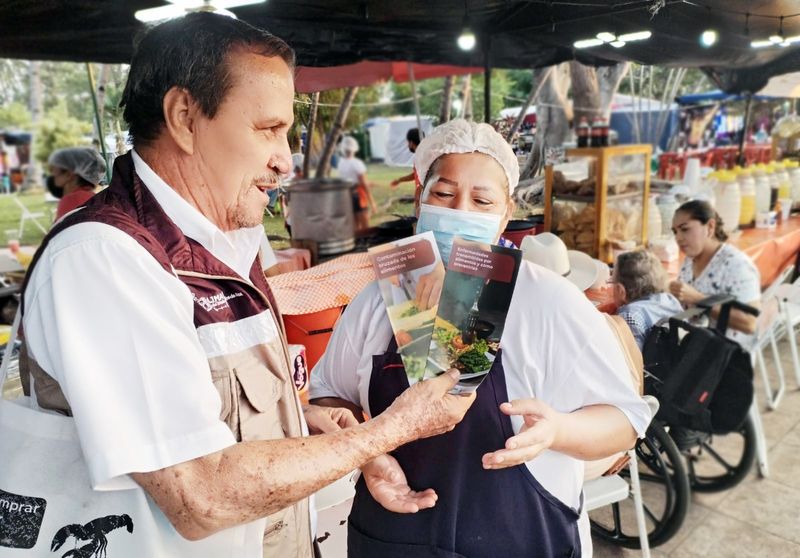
<point>387,138</point>
<point>786,86</point>
<point>511,33</point>
<point>309,79</point>
<point>715,96</point>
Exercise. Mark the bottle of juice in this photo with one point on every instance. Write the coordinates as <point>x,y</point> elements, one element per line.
<point>747,189</point>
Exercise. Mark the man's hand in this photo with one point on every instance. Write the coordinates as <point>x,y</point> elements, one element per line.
<point>429,288</point>
<point>387,483</point>
<point>322,420</point>
<point>537,434</point>
<point>686,294</point>
<point>394,183</point>
<point>426,409</point>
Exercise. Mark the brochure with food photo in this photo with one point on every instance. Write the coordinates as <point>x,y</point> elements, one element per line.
<point>410,273</point>
<point>476,296</point>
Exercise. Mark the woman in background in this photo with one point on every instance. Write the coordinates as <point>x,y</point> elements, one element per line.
<point>75,173</point>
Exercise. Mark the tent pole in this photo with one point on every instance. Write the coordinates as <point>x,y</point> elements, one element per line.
<point>312,123</point>
<point>416,97</point>
<point>487,80</point>
<point>98,120</point>
<point>743,139</point>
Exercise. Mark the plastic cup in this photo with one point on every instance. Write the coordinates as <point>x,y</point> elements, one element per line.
<point>786,208</point>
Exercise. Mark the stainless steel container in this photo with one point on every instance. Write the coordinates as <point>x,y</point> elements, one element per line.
<point>322,211</point>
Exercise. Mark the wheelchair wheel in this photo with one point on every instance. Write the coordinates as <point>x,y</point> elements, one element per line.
<point>721,462</point>
<point>665,495</point>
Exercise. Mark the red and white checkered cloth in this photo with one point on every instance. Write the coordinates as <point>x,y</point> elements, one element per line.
<point>329,285</point>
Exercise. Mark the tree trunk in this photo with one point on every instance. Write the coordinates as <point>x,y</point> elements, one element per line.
<point>447,93</point>
<point>467,97</point>
<point>102,81</point>
<point>534,94</point>
<point>312,123</point>
<point>35,99</point>
<point>324,166</point>
<point>552,116</point>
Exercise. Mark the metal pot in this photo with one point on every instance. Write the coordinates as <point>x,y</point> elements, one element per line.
<point>322,211</point>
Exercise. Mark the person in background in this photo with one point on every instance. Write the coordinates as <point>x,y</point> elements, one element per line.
<point>353,169</point>
<point>412,137</point>
<point>509,477</point>
<point>75,173</point>
<point>713,266</point>
<point>639,286</point>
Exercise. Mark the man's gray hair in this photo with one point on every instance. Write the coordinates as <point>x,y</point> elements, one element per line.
<point>641,273</point>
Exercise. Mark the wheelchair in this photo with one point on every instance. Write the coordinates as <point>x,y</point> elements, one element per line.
<point>674,459</point>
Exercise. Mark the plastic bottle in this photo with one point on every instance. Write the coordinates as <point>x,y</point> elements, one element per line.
<point>583,132</point>
<point>773,184</point>
<point>793,168</point>
<point>747,189</point>
<point>784,184</point>
<point>762,189</point>
<point>729,200</point>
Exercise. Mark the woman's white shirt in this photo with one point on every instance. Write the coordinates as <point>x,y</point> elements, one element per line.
<point>730,271</point>
<point>556,347</point>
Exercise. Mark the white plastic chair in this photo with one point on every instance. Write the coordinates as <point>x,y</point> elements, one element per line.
<point>788,296</point>
<point>605,491</point>
<point>771,326</point>
<point>28,215</point>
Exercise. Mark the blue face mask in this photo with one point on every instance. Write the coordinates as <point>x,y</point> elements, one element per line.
<point>448,223</point>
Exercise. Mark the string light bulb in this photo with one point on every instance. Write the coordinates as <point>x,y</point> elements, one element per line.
<point>466,41</point>
<point>709,38</point>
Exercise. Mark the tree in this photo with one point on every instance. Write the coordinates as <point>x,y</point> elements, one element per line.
<point>58,129</point>
<point>15,115</point>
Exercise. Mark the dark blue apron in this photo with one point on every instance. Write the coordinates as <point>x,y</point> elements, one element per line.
<point>498,513</point>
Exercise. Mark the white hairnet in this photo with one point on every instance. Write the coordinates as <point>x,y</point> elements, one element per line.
<point>461,136</point>
<point>86,162</point>
<point>350,144</point>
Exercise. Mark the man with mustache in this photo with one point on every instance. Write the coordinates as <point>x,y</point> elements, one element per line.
<point>174,364</point>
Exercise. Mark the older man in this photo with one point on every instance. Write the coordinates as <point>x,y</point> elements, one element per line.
<point>173,362</point>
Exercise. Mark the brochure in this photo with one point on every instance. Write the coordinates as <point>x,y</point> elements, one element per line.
<point>410,273</point>
<point>476,296</point>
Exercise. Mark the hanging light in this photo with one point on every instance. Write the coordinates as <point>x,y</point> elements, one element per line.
<point>638,36</point>
<point>587,43</point>
<point>708,38</point>
<point>616,41</point>
<point>178,8</point>
<point>466,40</point>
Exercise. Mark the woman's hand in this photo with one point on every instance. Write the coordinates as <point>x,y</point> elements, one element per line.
<point>387,483</point>
<point>538,433</point>
<point>322,420</point>
<point>686,294</point>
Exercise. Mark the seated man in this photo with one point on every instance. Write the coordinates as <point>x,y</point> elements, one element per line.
<point>640,284</point>
<point>509,478</point>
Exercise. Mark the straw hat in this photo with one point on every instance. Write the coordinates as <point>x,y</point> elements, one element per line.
<point>547,250</point>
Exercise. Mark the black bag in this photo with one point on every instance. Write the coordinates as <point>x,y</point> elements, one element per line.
<point>703,380</point>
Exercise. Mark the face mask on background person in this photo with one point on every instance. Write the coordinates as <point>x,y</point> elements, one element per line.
<point>55,191</point>
<point>446,224</point>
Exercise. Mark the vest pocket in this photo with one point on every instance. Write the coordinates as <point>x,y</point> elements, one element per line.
<point>259,408</point>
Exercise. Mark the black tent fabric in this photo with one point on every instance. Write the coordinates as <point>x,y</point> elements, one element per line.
<point>518,33</point>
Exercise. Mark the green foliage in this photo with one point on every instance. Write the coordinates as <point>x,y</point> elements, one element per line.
<point>58,129</point>
<point>15,116</point>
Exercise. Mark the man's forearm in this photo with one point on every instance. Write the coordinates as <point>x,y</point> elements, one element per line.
<point>251,480</point>
<point>594,432</point>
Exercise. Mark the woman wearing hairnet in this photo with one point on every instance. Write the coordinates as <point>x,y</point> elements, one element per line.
<point>74,175</point>
<point>507,480</point>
